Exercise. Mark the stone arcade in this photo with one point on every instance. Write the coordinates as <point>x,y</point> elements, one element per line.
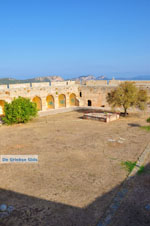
<point>64,94</point>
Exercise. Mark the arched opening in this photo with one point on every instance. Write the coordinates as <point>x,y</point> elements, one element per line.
<point>89,103</point>
<point>50,102</point>
<point>62,100</point>
<point>73,100</point>
<point>80,94</point>
<point>38,102</point>
<point>2,103</point>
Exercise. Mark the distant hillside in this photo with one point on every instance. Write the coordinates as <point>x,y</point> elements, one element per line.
<point>49,79</point>
<point>60,79</point>
<point>102,77</point>
<point>36,79</point>
<point>10,81</point>
<point>85,78</point>
<point>89,77</point>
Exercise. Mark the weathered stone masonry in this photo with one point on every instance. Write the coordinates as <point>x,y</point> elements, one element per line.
<point>62,94</point>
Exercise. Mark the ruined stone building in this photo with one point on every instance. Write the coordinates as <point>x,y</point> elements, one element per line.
<point>64,94</point>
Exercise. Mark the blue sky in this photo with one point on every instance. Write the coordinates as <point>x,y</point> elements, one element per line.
<point>74,37</point>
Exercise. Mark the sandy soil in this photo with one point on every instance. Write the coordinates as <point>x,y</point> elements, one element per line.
<point>79,169</point>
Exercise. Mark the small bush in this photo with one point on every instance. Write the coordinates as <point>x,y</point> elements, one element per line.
<point>148,120</point>
<point>20,110</point>
<point>141,170</point>
<point>147,128</point>
<point>129,166</point>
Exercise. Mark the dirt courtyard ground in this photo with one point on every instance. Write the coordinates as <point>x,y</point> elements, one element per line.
<point>79,169</point>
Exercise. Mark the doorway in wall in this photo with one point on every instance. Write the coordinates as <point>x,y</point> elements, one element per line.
<point>38,102</point>
<point>50,102</point>
<point>89,103</point>
<point>2,103</point>
<point>62,100</point>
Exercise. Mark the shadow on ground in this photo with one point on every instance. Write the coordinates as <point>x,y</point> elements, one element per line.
<point>32,211</point>
<point>134,124</point>
<point>90,110</point>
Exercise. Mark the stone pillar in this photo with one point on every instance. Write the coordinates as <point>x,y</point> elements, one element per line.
<point>44,105</point>
<point>67,101</point>
<point>56,102</point>
<point>81,102</point>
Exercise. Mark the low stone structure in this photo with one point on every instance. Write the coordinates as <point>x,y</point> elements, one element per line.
<point>64,94</point>
<point>105,117</point>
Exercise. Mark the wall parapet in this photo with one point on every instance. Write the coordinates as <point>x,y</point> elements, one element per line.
<point>3,87</point>
<point>96,82</point>
<point>40,84</point>
<point>114,82</point>
<point>137,83</point>
<point>106,83</point>
<point>21,85</point>
<point>142,83</point>
<point>64,83</point>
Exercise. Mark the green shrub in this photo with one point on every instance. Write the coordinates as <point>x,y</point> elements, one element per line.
<point>20,110</point>
<point>147,128</point>
<point>148,120</point>
<point>141,169</point>
<point>129,166</point>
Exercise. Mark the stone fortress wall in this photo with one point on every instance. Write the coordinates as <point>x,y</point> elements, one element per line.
<point>64,94</point>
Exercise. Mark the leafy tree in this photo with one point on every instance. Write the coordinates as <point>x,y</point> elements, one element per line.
<point>127,95</point>
<point>20,110</point>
